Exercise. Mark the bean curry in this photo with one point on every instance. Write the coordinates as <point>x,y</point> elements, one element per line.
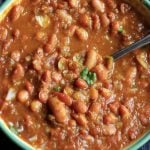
<point>60,89</point>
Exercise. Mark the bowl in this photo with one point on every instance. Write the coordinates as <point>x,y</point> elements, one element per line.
<point>5,7</point>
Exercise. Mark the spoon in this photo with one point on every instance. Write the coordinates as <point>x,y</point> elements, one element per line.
<point>138,44</point>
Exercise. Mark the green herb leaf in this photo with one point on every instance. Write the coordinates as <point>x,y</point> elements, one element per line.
<point>120,30</point>
<point>57,89</point>
<point>89,77</point>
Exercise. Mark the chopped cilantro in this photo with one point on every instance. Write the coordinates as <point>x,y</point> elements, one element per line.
<point>89,77</point>
<point>57,89</point>
<point>120,30</point>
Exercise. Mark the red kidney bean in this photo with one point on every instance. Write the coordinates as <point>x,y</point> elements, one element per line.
<point>46,76</point>
<point>114,107</point>
<point>3,34</point>
<point>82,34</point>
<point>80,107</point>
<point>36,106</point>
<point>109,119</point>
<point>124,112</point>
<point>58,109</point>
<point>91,59</point>
<point>98,5</point>
<point>96,22</point>
<point>81,119</point>
<point>18,72</point>
<point>74,3</point>
<point>23,96</point>
<point>93,93</point>
<point>104,20</point>
<point>94,110</point>
<point>16,12</point>
<point>111,3</point>
<point>43,95</point>
<point>101,72</point>
<point>80,83</point>
<point>85,20</point>
<point>51,45</point>
<point>64,98</point>
<point>29,86</point>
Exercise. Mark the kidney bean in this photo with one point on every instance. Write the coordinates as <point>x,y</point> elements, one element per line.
<point>15,55</point>
<point>51,45</point>
<point>72,123</point>
<point>64,16</point>
<point>56,76</point>
<point>18,72</point>
<point>94,110</point>
<point>81,119</point>
<point>91,59</point>
<point>80,83</point>
<point>64,98</point>
<point>124,112</point>
<point>101,72</point>
<point>35,2</point>
<point>29,86</point>
<point>74,3</point>
<point>133,133</point>
<point>36,106</point>
<point>16,12</point>
<point>3,34</point>
<point>93,93</point>
<point>96,22</point>
<point>23,96</point>
<point>109,119</point>
<point>80,107</point>
<point>104,20</point>
<point>7,44</point>
<point>46,76</point>
<point>111,3</point>
<point>114,28</point>
<point>98,5</point>
<point>106,93</point>
<point>37,64</point>
<point>16,33</point>
<point>58,109</point>
<point>114,107</point>
<point>85,20</point>
<point>43,95</point>
<point>71,31</point>
<point>111,16</point>
<point>82,34</point>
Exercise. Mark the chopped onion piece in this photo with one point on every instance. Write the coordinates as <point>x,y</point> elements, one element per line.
<point>11,94</point>
<point>33,138</point>
<point>142,59</point>
<point>43,21</point>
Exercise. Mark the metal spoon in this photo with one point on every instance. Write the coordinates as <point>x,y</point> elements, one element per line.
<point>138,44</point>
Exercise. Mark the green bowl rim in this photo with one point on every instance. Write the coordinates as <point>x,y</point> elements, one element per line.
<point>25,146</point>
<point>22,144</point>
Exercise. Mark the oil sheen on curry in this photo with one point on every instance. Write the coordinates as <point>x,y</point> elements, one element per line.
<point>60,89</point>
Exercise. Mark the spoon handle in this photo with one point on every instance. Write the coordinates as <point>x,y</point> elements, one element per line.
<point>138,44</point>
